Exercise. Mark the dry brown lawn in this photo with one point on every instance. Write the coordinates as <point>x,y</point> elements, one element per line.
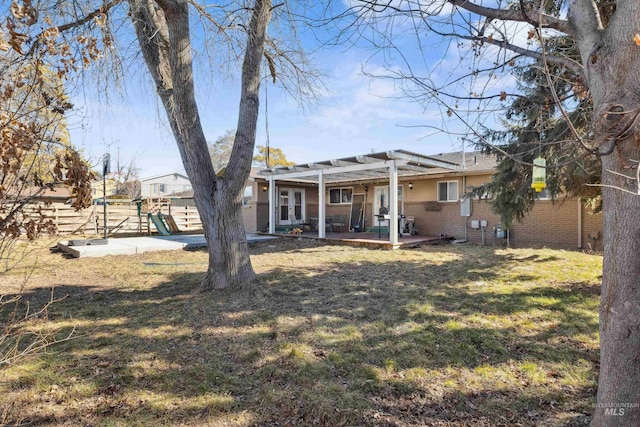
<point>331,335</point>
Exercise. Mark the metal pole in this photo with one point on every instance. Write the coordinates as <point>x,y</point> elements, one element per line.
<point>106,168</point>
<point>104,203</point>
<point>393,203</point>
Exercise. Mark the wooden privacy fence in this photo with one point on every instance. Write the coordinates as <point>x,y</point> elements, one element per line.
<point>122,217</point>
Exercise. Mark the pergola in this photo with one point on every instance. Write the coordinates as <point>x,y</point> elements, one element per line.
<point>388,165</point>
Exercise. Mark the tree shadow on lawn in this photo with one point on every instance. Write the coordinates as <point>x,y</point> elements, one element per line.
<point>377,343</point>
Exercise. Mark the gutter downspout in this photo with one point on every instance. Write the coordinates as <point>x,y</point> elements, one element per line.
<point>466,218</point>
<point>464,187</point>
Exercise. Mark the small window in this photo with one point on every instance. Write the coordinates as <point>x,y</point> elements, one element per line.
<point>339,196</point>
<point>247,196</point>
<point>159,188</point>
<point>448,191</point>
<point>545,194</point>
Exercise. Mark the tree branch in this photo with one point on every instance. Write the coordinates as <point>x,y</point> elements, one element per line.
<point>102,9</point>
<point>587,25</point>
<point>65,27</point>
<point>244,143</point>
<point>583,15</point>
<point>544,21</point>
<point>566,62</point>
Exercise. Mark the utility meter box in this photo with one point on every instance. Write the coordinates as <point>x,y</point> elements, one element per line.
<point>475,224</point>
<point>465,206</point>
<point>500,232</point>
<point>483,223</point>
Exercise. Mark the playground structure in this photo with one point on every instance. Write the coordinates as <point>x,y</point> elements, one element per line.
<point>165,224</point>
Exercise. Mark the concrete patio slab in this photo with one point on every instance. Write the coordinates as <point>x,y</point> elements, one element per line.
<point>368,239</point>
<point>138,245</point>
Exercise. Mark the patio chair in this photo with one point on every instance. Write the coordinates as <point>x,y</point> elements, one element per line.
<point>314,224</point>
<point>410,226</point>
<point>339,222</point>
<point>296,223</point>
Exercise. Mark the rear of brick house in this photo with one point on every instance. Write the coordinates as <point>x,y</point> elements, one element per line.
<point>565,223</point>
<point>434,200</point>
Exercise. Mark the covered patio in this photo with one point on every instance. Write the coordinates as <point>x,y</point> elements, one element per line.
<point>386,166</point>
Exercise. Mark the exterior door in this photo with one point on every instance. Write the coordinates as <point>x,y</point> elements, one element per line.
<point>381,199</point>
<point>291,202</point>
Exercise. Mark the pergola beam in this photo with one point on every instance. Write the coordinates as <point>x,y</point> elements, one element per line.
<point>328,171</point>
<point>422,160</point>
<point>336,162</point>
<point>367,159</point>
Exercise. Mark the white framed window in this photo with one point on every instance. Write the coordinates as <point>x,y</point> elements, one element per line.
<point>247,196</point>
<point>544,194</point>
<point>340,196</point>
<point>486,195</point>
<point>447,191</point>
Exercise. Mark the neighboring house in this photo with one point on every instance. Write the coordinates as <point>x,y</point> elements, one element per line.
<point>166,185</point>
<point>430,188</point>
<point>97,188</point>
<point>36,194</point>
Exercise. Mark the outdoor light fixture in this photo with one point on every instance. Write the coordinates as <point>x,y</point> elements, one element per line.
<point>411,186</point>
<point>265,188</point>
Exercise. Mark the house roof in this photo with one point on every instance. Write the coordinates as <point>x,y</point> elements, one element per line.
<point>475,161</point>
<point>363,167</point>
<point>164,174</point>
<point>58,192</point>
<point>186,194</point>
<point>255,173</point>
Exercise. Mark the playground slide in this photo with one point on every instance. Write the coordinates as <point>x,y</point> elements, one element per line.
<point>170,222</point>
<point>160,226</point>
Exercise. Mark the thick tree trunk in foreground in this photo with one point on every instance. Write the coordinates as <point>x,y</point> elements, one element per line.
<point>619,384</point>
<point>229,227</point>
<point>612,59</point>
<point>162,29</point>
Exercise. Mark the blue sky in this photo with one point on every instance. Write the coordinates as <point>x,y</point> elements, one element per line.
<point>354,115</point>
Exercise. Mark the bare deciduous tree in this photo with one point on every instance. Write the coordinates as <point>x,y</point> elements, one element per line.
<point>163,31</point>
<point>234,31</point>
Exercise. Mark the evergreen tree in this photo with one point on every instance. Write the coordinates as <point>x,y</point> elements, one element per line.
<point>533,126</point>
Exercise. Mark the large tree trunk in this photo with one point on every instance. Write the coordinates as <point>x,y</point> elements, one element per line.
<point>611,59</point>
<point>619,382</point>
<point>229,228</point>
<point>163,35</point>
